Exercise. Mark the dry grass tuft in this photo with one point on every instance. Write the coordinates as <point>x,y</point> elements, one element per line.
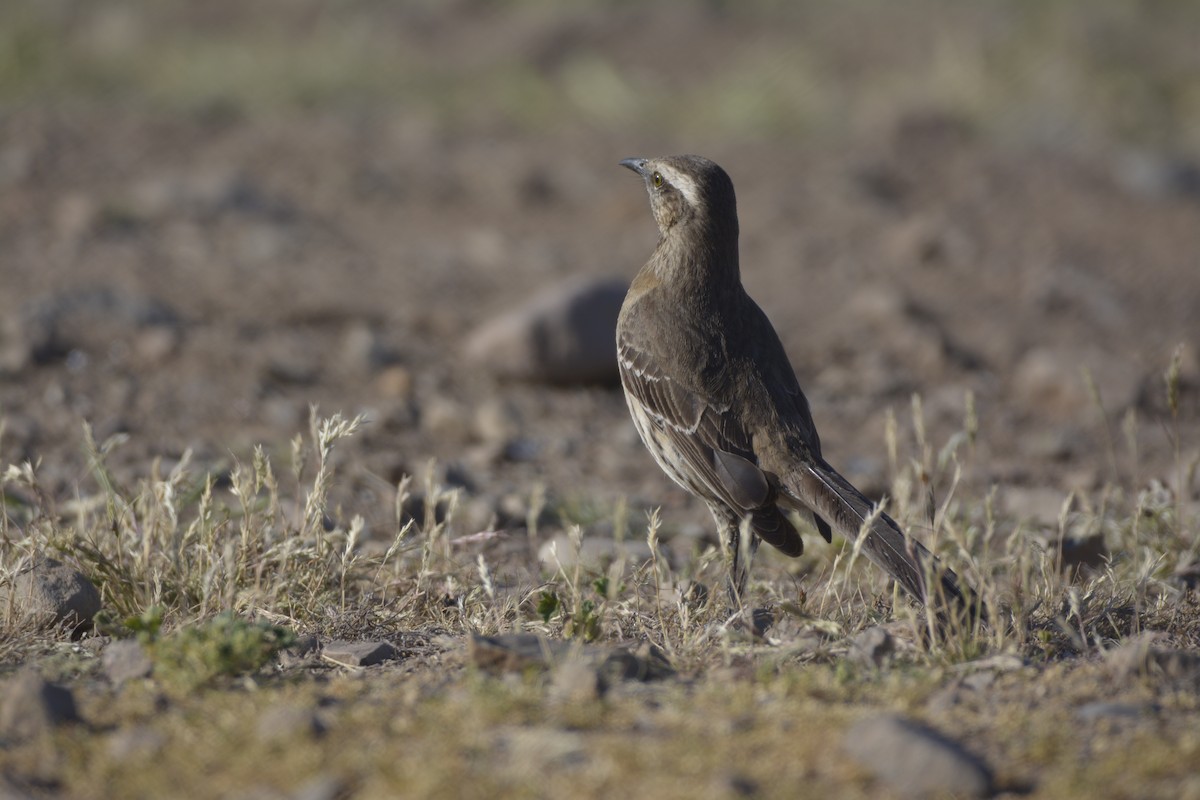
<point>218,573</point>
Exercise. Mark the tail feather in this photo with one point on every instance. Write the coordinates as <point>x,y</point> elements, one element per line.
<point>774,528</point>
<point>819,488</point>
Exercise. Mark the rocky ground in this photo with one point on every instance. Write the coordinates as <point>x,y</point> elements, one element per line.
<point>211,221</point>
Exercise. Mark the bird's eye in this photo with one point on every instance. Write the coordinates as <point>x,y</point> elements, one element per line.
<point>657,180</point>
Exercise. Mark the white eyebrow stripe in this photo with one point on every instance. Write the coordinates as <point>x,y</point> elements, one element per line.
<point>686,187</point>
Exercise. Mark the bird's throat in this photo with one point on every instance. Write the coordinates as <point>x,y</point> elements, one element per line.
<point>683,264</point>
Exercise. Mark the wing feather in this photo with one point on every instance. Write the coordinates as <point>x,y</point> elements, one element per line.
<point>716,450</point>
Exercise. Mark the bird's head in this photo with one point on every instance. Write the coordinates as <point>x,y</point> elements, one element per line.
<point>687,191</point>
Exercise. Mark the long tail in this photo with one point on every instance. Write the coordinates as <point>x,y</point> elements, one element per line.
<point>819,488</point>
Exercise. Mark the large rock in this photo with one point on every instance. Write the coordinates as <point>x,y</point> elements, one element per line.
<point>49,592</point>
<point>565,334</point>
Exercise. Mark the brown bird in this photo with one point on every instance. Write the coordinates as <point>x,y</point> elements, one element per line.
<point>715,399</point>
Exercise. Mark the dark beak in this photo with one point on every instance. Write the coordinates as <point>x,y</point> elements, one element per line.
<point>638,165</point>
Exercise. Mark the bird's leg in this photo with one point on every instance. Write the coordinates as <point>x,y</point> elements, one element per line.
<point>738,544</point>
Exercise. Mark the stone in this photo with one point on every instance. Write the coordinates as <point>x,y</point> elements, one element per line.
<point>304,651</point>
<point>126,660</point>
<point>94,645</point>
<point>912,760</point>
<point>521,450</point>
<point>907,335</point>
<point>1062,382</point>
<point>288,367</point>
<point>1187,573</point>
<point>361,349</point>
<point>1139,658</point>
<point>48,593</point>
<point>445,419</point>
<point>516,652</point>
<point>202,193</point>
<point>979,681</point>
<point>646,662</point>
<point>947,698</point>
<point>358,654</point>
<point>540,748</point>
<point>16,346</point>
<point>137,742</point>
<point>1092,712</point>
<point>1000,663</point>
<point>1086,555</point>
<point>497,420</point>
<point>322,787</point>
<point>1152,400</point>
<point>575,681</point>
<point>564,335</point>
<point>283,723</point>
<point>99,321</point>
<point>748,625</point>
<point>928,241</point>
<point>76,215</point>
<point>416,507</point>
<point>872,647</point>
<point>32,706</point>
<point>1049,382</point>
<point>154,344</point>
<point>1157,176</point>
<point>394,383</point>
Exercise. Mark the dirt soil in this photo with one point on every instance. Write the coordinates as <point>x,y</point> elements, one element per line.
<point>206,292</point>
<point>199,279</point>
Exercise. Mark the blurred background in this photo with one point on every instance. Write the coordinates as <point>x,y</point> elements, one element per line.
<point>213,215</point>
